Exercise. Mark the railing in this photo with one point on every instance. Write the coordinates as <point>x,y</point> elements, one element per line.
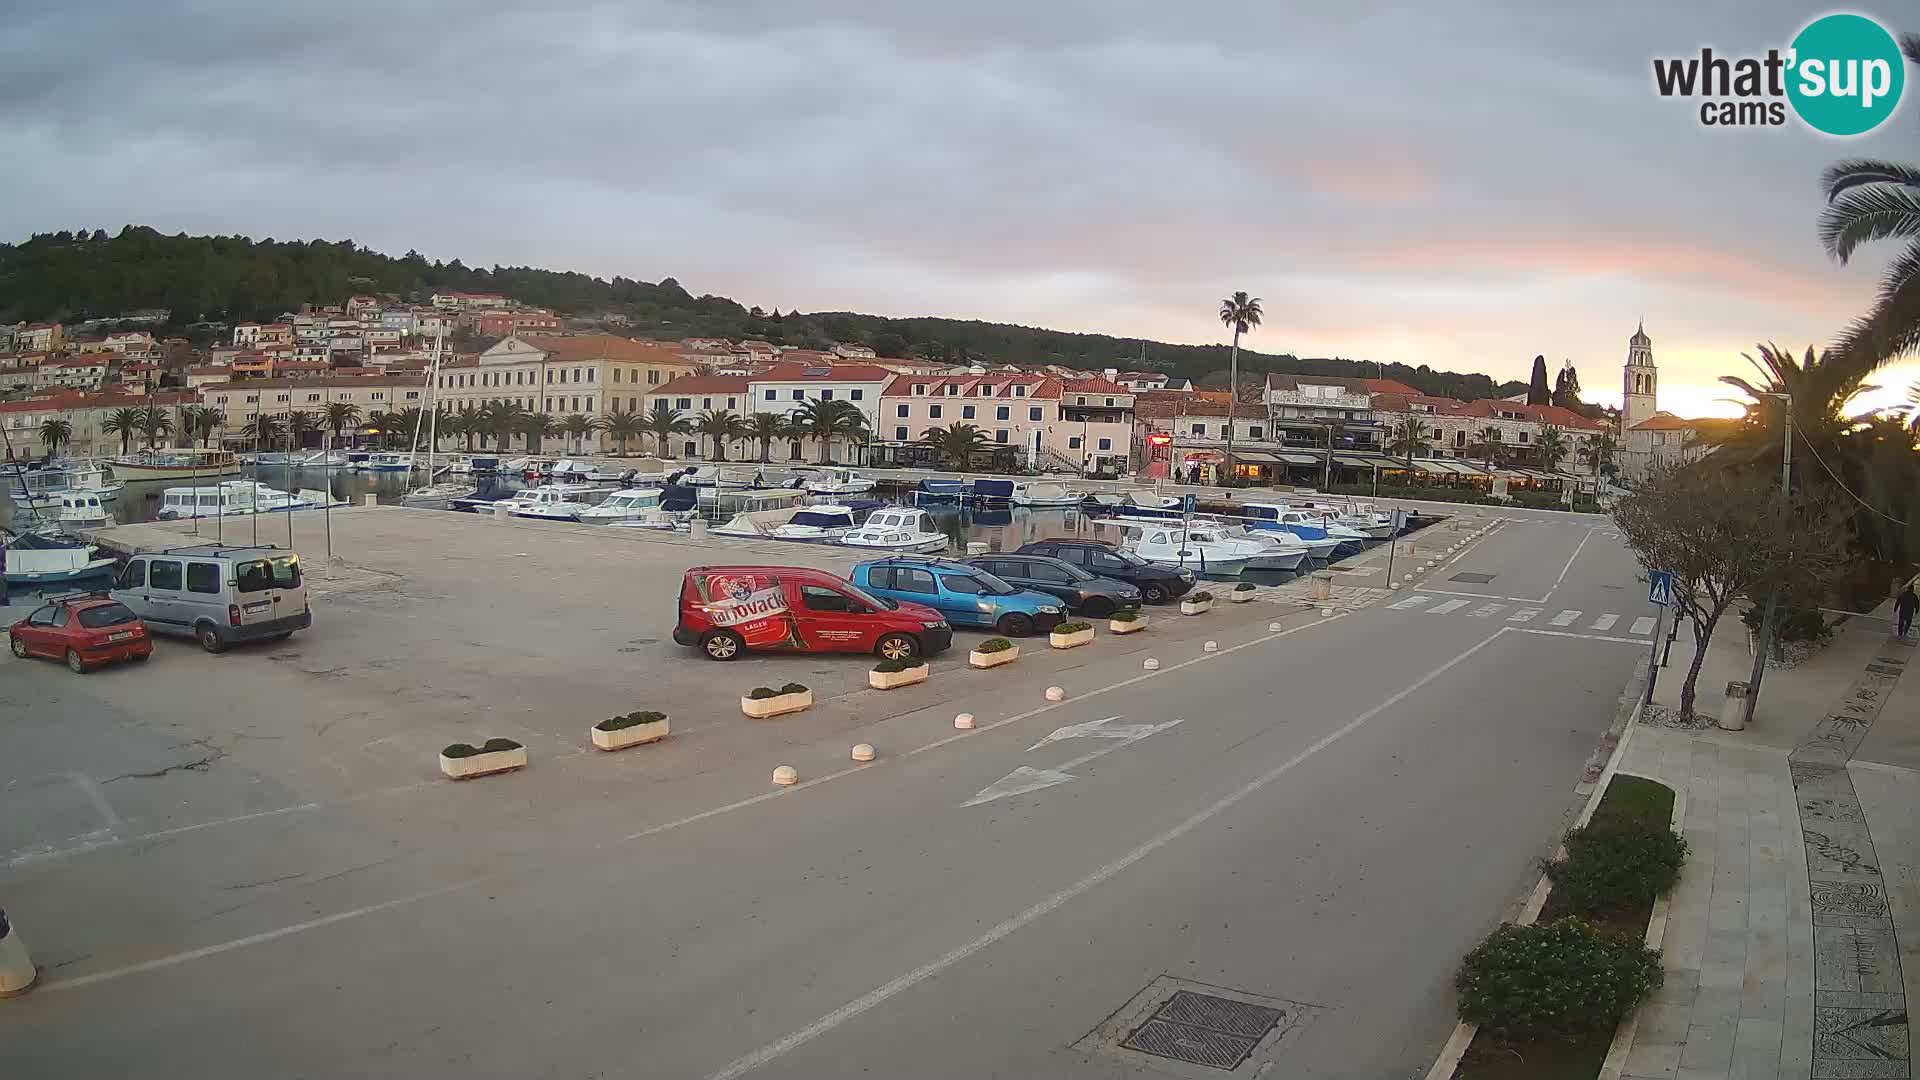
<point>1337,401</point>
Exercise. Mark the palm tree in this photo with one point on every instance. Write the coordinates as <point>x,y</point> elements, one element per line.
<point>299,423</point>
<point>1599,451</point>
<point>408,423</point>
<point>201,421</point>
<point>340,415</point>
<point>1409,437</point>
<point>157,423</point>
<point>795,432</point>
<point>123,422</point>
<point>720,426</point>
<point>663,422</point>
<point>1819,389</point>
<point>536,428</point>
<point>470,422</point>
<point>1871,200</point>
<point>956,443</point>
<point>578,426</point>
<point>1550,447</point>
<point>502,420</point>
<point>264,428</point>
<point>55,433</point>
<point>1486,442</point>
<point>622,426</point>
<point>1242,312</point>
<point>824,420</point>
<point>763,428</point>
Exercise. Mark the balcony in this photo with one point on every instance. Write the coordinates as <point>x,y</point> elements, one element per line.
<point>1319,401</point>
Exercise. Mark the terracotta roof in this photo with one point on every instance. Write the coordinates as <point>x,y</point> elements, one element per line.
<point>582,347</point>
<point>1488,409</point>
<point>1665,421</point>
<point>703,384</point>
<point>788,371</point>
<point>209,369</point>
<point>1097,385</point>
<point>1040,386</point>
<point>66,400</point>
<point>1162,404</point>
<point>343,381</point>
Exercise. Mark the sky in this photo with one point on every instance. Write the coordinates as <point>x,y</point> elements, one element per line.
<point>1399,182</point>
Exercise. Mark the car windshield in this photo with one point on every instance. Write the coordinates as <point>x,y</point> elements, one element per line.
<point>277,573</point>
<point>94,618</point>
<point>866,597</point>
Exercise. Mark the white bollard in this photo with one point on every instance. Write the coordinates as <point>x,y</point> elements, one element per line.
<point>1326,612</point>
<point>785,776</point>
<point>1407,577</point>
<point>502,513</point>
<point>369,500</point>
<point>976,547</point>
<point>1211,646</point>
<point>863,751</point>
<point>16,965</point>
<point>1275,627</point>
<point>1394,585</point>
<point>964,721</point>
<point>1150,664</point>
<point>697,529</point>
<point>1055,693</point>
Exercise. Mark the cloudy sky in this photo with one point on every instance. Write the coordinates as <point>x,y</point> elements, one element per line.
<point>1397,181</point>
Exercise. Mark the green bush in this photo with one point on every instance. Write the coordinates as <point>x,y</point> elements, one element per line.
<point>761,693</point>
<point>1616,868</point>
<point>793,688</point>
<point>494,746</point>
<point>1566,977</point>
<point>1245,586</point>
<point>459,750</point>
<point>1125,616</point>
<point>1200,597</point>
<point>1072,627</point>
<point>993,645</point>
<point>632,719</point>
<point>903,664</point>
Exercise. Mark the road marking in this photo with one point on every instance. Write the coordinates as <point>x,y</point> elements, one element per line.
<point>1642,625</point>
<point>1566,618</point>
<point>1410,602</point>
<point>1449,606</point>
<point>1570,559</point>
<point>1485,610</point>
<point>1605,622</point>
<point>1025,779</point>
<point>1525,614</point>
<point>743,1065</point>
<point>1566,634</point>
<point>1094,729</point>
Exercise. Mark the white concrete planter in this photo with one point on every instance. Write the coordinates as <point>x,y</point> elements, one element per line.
<point>1133,626</point>
<point>496,761</point>
<point>979,659</point>
<point>888,680</point>
<point>1195,607</point>
<point>778,704</point>
<point>17,972</point>
<point>1241,596</point>
<point>622,738</point>
<point>1070,641</point>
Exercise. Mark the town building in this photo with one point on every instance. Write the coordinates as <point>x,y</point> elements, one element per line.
<point>85,413</point>
<point>40,337</point>
<point>239,402</point>
<point>79,373</point>
<point>591,374</point>
<point>695,393</point>
<point>1651,439</point>
<point>1024,413</point>
<point>464,301</point>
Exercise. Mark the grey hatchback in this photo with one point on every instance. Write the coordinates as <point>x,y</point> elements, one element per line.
<point>1083,593</point>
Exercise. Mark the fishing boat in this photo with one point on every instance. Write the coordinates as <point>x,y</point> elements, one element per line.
<point>626,504</point>
<point>838,482</point>
<point>756,524</point>
<point>933,489</point>
<point>184,463</point>
<point>1147,504</point>
<point>602,474</point>
<point>273,457</point>
<point>37,558</point>
<point>324,459</point>
<point>1197,547</point>
<point>987,490</point>
<point>1321,544</point>
<point>80,510</point>
<point>826,521</point>
<point>569,469</point>
<point>390,462</point>
<point>40,489</point>
<point>438,496</point>
<point>1281,550</point>
<point>1044,493</point>
<point>897,529</point>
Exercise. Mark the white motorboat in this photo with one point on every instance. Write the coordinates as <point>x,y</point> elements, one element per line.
<point>516,464</point>
<point>569,469</point>
<point>1201,548</point>
<point>185,463</point>
<point>237,498</point>
<point>820,522</point>
<point>36,558</point>
<point>1321,542</point>
<point>654,519</point>
<point>273,457</point>
<point>80,510</point>
<point>1282,550</point>
<point>40,489</point>
<point>897,529</point>
<point>626,504</point>
<point>838,482</point>
<point>438,496</point>
<point>1045,493</point>
<point>324,459</point>
<point>1147,504</point>
<point>1371,525</point>
<point>389,462</point>
<point>547,503</point>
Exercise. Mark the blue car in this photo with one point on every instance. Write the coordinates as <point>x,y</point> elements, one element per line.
<point>966,595</point>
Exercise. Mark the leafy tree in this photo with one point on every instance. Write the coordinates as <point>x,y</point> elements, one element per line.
<point>1550,447</point>
<point>795,432</point>
<point>1537,392</point>
<point>1409,437</point>
<point>1487,444</point>
<point>55,433</point>
<point>720,426</point>
<point>300,423</point>
<point>1598,452</point>
<point>339,415</point>
<point>502,419</point>
<point>828,420</point>
<point>124,422</point>
<point>663,422</point>
<point>1242,313</point>
<point>891,344</point>
<point>956,443</point>
<point>577,427</point>
<point>264,429</point>
<point>201,421</point>
<point>536,428</point>
<point>622,425</point>
<point>470,422</point>
<point>763,428</point>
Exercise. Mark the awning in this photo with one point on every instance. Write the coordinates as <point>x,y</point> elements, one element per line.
<point>1431,467</point>
<point>1462,468</point>
<point>1256,457</point>
<point>1368,461</point>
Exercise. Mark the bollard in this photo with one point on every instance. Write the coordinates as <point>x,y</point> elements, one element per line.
<point>16,965</point>
<point>964,721</point>
<point>1211,646</point>
<point>502,513</point>
<point>1056,693</point>
<point>1326,612</point>
<point>1150,664</point>
<point>1394,585</point>
<point>1322,587</point>
<point>697,529</point>
<point>1275,627</point>
<point>976,547</point>
<point>863,751</point>
<point>369,500</point>
<point>785,776</point>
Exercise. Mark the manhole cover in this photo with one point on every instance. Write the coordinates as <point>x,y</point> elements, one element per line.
<point>1472,579</point>
<point>1202,1029</point>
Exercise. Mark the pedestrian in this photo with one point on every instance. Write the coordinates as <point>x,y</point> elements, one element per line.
<point>1904,607</point>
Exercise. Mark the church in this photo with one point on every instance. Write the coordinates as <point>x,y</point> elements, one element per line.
<point>1650,438</point>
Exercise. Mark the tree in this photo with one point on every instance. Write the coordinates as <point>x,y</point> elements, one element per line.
<point>826,420</point>
<point>621,425</point>
<point>263,429</point>
<point>156,423</point>
<point>1537,392</point>
<point>956,443</point>
<point>663,422</point>
<point>299,424</point>
<point>721,426</point>
<point>1242,312</point>
<point>124,422</point>
<point>1566,387</point>
<point>1599,452</point>
<point>795,432</point>
<point>536,428</point>
<point>55,433</point>
<point>201,421</point>
<point>339,415</point>
<point>1409,437</point>
<point>1550,447</point>
<point>890,344</point>
<point>577,427</point>
<point>502,419</point>
<point>763,428</point>
<point>1723,536</point>
<point>1486,443</point>
<point>470,422</point>
<point>1871,200</point>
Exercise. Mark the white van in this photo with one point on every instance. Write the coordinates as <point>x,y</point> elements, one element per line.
<point>217,595</point>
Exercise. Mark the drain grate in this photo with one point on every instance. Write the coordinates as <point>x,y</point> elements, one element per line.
<point>1472,579</point>
<point>1202,1029</point>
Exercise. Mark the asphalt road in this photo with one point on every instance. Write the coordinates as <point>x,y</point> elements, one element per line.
<point>1324,818</point>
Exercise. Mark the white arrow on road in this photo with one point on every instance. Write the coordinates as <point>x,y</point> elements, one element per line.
<point>1026,778</point>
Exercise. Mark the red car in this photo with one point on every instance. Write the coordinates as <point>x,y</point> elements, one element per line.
<point>85,631</point>
<point>727,610</point>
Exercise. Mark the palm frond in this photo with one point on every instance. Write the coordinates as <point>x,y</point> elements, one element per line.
<point>1910,45</point>
<point>1860,215</point>
<point>1892,328</point>
<point>1853,172</point>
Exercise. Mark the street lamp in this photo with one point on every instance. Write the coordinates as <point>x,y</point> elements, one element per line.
<point>1773,595</point>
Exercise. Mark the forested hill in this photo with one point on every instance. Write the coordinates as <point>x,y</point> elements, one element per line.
<point>70,276</point>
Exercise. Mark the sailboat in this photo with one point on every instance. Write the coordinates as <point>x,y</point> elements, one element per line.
<point>434,496</point>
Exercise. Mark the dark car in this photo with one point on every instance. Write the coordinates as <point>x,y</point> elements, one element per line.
<point>1083,593</point>
<point>1157,584</point>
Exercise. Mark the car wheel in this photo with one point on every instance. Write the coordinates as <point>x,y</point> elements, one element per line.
<point>283,636</point>
<point>1098,608</point>
<point>897,647</point>
<point>1153,593</point>
<point>143,657</point>
<point>74,663</point>
<point>20,648</point>
<point>210,638</point>
<point>722,645</point>
<point>1014,624</point>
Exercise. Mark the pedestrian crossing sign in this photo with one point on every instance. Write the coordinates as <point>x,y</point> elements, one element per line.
<point>1660,587</point>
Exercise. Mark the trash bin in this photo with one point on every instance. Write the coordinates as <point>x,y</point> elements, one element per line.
<point>1733,714</point>
<point>1322,586</point>
<point>697,528</point>
<point>16,967</point>
<point>501,511</point>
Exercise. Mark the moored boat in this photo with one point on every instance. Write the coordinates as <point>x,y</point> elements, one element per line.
<point>184,463</point>
<point>897,529</point>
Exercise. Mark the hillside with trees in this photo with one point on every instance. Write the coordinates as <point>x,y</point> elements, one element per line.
<point>77,275</point>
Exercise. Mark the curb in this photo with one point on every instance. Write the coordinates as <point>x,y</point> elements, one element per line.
<point>1615,1063</point>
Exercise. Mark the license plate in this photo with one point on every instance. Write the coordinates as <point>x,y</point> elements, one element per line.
<point>261,606</point>
<point>122,636</point>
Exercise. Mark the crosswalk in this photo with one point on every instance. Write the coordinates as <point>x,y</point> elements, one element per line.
<point>1569,619</point>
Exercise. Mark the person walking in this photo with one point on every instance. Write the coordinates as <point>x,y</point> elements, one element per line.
<point>1904,606</point>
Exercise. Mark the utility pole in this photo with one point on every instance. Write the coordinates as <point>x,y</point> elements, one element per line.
<point>1773,596</point>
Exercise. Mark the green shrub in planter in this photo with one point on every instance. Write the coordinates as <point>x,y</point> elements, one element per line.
<point>904,664</point>
<point>1616,867</point>
<point>1245,586</point>
<point>1125,616</point>
<point>1072,627</point>
<point>793,688</point>
<point>494,746</point>
<point>760,693</point>
<point>1567,977</point>
<point>1200,597</point>
<point>993,645</point>
<point>632,719</point>
<point>460,750</point>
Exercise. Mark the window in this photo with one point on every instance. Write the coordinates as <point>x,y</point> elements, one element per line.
<point>915,580</point>
<point>706,403</point>
<point>379,395</point>
<point>1002,413</point>
<point>203,577</point>
<point>933,412</point>
<point>1019,391</point>
<point>1073,443</point>
<point>1000,436</point>
<point>691,449</point>
<point>818,598</point>
<point>1106,444</point>
<point>549,376</point>
<point>134,576</point>
<point>616,374</point>
<point>733,403</point>
<point>412,394</point>
<point>1033,414</point>
<point>1199,429</point>
<point>60,616</point>
<point>799,395</point>
<point>589,374</point>
<point>1253,431</point>
<point>683,403</point>
<point>1048,573</point>
<point>253,398</point>
<point>856,395</point>
<point>920,389</point>
<point>900,434</point>
<point>898,410</point>
<point>1109,402</point>
<point>953,389</point>
<point>1523,437</point>
<point>313,397</point>
<point>548,406</point>
<point>633,404</point>
<point>166,574</point>
<point>576,374</point>
<point>826,395</point>
<point>42,617</point>
<point>773,395</point>
<point>653,376</point>
<point>965,584</point>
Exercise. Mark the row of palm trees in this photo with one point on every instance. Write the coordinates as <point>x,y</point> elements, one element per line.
<point>819,421</point>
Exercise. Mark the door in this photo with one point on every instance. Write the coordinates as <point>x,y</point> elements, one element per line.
<point>268,590</point>
<point>36,633</point>
<point>1042,576</point>
<point>204,597</point>
<point>165,599</point>
<point>832,621</point>
<point>1107,564</point>
<point>963,594</point>
<point>916,585</point>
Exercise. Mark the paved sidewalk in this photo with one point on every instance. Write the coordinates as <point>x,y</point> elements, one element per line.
<point>1780,952</point>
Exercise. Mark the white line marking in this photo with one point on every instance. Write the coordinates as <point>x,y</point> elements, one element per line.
<point>1449,606</point>
<point>1092,729</point>
<point>1486,610</point>
<point>1569,566</point>
<point>1563,633</point>
<point>741,1066</point>
<point>1566,618</point>
<point>1410,602</point>
<point>1525,614</point>
<point>1605,622</point>
<point>1487,595</point>
<point>1025,778</point>
<point>1642,625</point>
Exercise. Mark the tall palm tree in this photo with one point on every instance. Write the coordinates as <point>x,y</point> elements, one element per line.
<point>264,428</point>
<point>1599,451</point>
<point>470,423</point>
<point>663,422</point>
<point>795,432</point>
<point>1820,389</point>
<point>299,423</point>
<point>201,421</point>
<point>407,422</point>
<point>1242,312</point>
<point>1550,447</point>
<point>536,428</point>
<point>621,425</point>
<point>156,423</point>
<point>720,426</point>
<point>578,426</point>
<point>124,422</point>
<point>763,428</point>
<point>55,433</point>
<point>956,443</point>
<point>1871,200</point>
<point>826,420</point>
<point>1486,442</point>
<point>502,420</point>
<point>1409,437</point>
<point>340,415</point>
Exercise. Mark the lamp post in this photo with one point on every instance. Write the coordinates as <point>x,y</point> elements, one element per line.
<point>1326,477</point>
<point>1773,595</point>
